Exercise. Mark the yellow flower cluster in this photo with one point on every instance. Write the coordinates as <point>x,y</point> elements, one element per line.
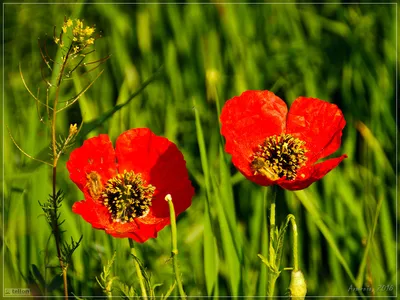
<point>73,129</point>
<point>81,36</point>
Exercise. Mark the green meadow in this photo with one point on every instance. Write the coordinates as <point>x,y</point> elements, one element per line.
<point>171,68</point>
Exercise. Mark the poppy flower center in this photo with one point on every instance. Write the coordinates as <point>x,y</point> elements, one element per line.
<point>127,196</point>
<point>278,156</point>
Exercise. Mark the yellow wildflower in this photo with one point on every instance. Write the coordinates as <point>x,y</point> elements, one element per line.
<point>89,30</point>
<point>81,35</point>
<point>79,23</point>
<point>73,129</point>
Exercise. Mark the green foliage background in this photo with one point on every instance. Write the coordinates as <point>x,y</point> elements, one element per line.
<point>341,53</point>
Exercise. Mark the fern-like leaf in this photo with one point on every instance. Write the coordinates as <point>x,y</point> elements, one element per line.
<point>50,208</point>
<point>105,280</point>
<point>68,249</point>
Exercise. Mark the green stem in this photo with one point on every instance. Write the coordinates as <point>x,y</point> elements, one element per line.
<point>272,234</point>
<point>272,272</point>
<point>174,246</point>
<point>56,229</point>
<point>137,267</point>
<point>295,245</point>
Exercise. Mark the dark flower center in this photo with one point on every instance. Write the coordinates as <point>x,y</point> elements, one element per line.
<point>278,156</point>
<point>127,196</point>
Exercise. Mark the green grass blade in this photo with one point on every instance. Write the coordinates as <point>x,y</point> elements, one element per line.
<point>231,256</point>
<point>210,247</point>
<point>317,218</point>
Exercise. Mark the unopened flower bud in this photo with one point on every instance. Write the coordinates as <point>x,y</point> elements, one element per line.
<point>212,76</point>
<point>298,286</point>
<point>212,80</point>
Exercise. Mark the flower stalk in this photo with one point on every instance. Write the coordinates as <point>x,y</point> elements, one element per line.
<point>64,252</point>
<point>137,268</point>
<point>273,272</point>
<point>81,37</point>
<point>56,229</point>
<point>295,245</point>
<point>174,246</point>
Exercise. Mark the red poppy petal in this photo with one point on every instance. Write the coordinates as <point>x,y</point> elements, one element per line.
<point>140,236</point>
<point>318,123</point>
<point>138,150</point>
<point>247,120</point>
<point>93,212</point>
<point>147,231</point>
<point>259,179</point>
<point>120,230</point>
<point>161,165</point>
<point>137,230</point>
<point>311,174</point>
<point>95,155</point>
<point>98,216</point>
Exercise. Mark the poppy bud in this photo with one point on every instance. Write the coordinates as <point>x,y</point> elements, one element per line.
<point>298,286</point>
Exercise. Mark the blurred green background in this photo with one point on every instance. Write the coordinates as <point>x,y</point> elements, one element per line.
<point>343,53</point>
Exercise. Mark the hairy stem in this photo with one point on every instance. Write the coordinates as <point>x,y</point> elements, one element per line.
<point>56,229</point>
<point>174,246</point>
<point>272,272</point>
<point>295,245</point>
<point>137,267</point>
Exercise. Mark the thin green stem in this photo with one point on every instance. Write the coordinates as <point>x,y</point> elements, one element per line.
<point>56,229</point>
<point>272,272</point>
<point>295,245</point>
<point>137,267</point>
<point>272,233</point>
<point>174,246</point>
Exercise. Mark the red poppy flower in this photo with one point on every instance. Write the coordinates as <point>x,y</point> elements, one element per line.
<point>125,189</point>
<point>271,146</point>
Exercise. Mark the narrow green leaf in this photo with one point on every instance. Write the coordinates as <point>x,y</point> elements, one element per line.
<point>228,201</point>
<point>211,258</point>
<point>210,245</point>
<point>302,196</point>
<point>38,275</point>
<point>231,255</point>
<point>55,283</point>
<point>89,126</point>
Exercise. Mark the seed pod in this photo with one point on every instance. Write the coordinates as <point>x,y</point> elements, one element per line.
<point>298,286</point>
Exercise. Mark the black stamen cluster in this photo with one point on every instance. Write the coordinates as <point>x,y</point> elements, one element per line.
<point>127,197</point>
<point>278,156</point>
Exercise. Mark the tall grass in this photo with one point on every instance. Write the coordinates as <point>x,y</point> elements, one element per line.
<point>345,54</point>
